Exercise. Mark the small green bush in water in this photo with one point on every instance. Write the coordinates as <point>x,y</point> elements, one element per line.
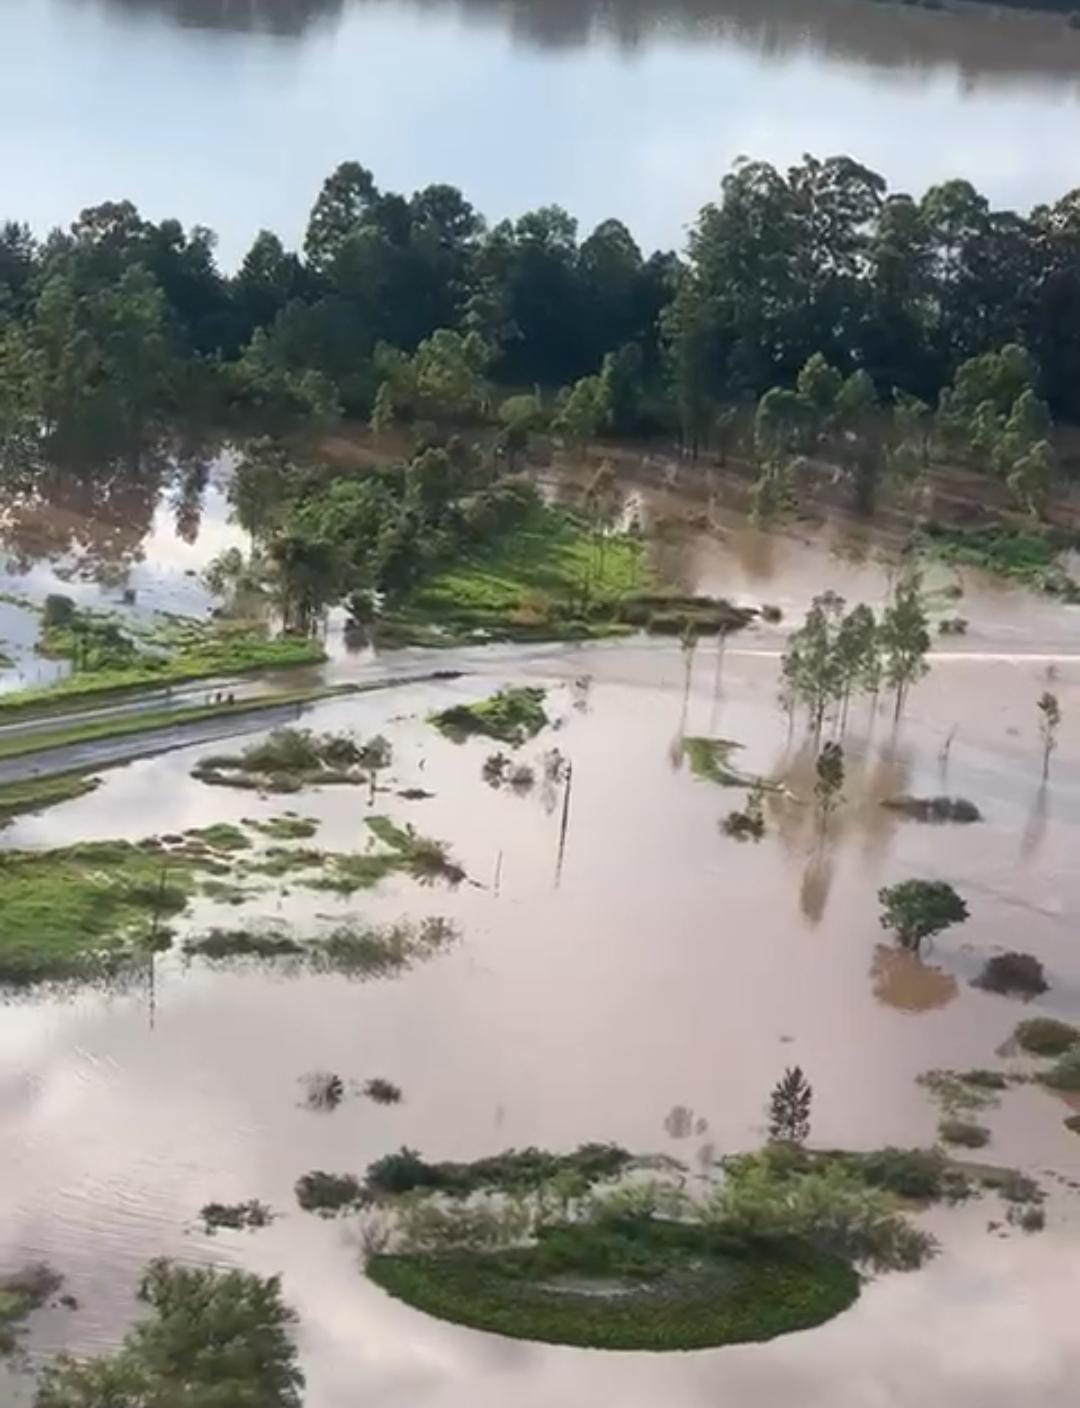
<point>964,1132</point>
<point>1064,1074</point>
<point>1046,1036</point>
<point>511,716</point>
<point>1009,973</point>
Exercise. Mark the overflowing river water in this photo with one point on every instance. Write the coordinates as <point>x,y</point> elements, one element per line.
<point>650,994</point>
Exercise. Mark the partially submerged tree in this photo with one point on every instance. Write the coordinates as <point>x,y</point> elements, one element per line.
<point>905,638</point>
<point>1049,723</point>
<point>214,1338</point>
<point>830,780</point>
<point>789,1108</point>
<point>917,909</point>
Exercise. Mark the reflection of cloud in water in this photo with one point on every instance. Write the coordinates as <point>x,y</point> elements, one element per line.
<point>903,981</point>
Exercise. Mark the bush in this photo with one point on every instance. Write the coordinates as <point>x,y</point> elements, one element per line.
<point>1073,1123</point>
<point>1046,1036</point>
<point>953,626</point>
<point>934,808</point>
<point>965,1133</point>
<point>919,1174</point>
<point>383,1092</point>
<point>1064,1074</point>
<point>1009,973</point>
<point>329,1192</point>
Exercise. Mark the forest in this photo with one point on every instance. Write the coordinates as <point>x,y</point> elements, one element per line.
<point>414,309</point>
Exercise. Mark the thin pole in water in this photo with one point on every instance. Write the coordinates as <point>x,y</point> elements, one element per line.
<point>564,823</point>
<point>498,872</point>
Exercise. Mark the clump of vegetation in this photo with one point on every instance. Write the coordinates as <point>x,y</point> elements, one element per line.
<point>354,951</point>
<point>513,1171</point>
<point>511,716</point>
<point>323,1090</point>
<point>1013,974</point>
<point>496,766</point>
<point>934,808</point>
<point>220,836</point>
<point>672,1286</point>
<point>292,758</point>
<point>962,1092</point>
<point>1046,1036</point>
<point>1064,1074</point>
<point>922,1175</point>
<point>383,1092</point>
<point>709,758</point>
<point>953,626</point>
<point>1029,1219</point>
<point>85,910</point>
<point>748,824</point>
<point>964,1132</point>
<point>35,794</point>
<point>1073,1124</point>
<point>1026,555</point>
<point>287,827</point>
<point>212,1337</point>
<point>917,909</point>
<point>22,1292</point>
<point>330,1193</point>
<point>235,1217</point>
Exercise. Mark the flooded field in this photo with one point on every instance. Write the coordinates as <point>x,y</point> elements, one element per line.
<point>650,992</point>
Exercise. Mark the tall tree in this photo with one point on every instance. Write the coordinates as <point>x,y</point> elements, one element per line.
<point>905,638</point>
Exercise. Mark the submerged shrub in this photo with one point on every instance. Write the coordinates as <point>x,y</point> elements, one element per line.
<point>1064,1074</point>
<point>1009,973</point>
<point>329,1192</point>
<point>1046,1036</point>
<point>909,1173</point>
<point>383,1092</point>
<point>964,1132</point>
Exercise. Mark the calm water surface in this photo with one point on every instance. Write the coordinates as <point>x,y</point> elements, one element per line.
<point>231,112</point>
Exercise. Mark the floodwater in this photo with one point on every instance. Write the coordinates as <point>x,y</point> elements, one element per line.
<point>651,995</point>
<point>230,113</point>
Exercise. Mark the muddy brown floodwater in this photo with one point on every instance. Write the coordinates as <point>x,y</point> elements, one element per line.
<point>651,997</point>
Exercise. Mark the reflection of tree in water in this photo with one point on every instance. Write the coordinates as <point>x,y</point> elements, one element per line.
<point>285,17</point>
<point>816,883</point>
<point>1034,831</point>
<point>903,981</point>
<point>100,517</point>
<point>871,776</point>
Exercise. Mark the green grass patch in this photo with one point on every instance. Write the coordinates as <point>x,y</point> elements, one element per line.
<point>513,1171</point>
<point>198,655</point>
<point>35,794</point>
<point>1046,1036</point>
<point>1025,555</point>
<point>83,910</point>
<point>293,758</point>
<point>511,716</point>
<point>549,576</point>
<point>635,1284</point>
<point>287,827</point>
<point>220,836</point>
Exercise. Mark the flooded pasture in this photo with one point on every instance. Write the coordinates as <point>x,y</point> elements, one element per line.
<point>648,993</point>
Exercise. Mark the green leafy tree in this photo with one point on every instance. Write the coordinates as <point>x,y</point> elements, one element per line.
<point>214,1338</point>
<point>809,667</point>
<point>583,411</point>
<point>789,1108</point>
<point>917,909</point>
<point>858,656</point>
<point>263,482</point>
<point>621,376</point>
<point>904,637</point>
<point>819,385</point>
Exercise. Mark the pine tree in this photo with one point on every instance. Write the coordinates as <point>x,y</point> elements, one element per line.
<point>789,1108</point>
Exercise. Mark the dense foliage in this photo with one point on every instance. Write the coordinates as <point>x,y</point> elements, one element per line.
<point>816,286</point>
<point>214,1338</point>
<point>674,1286</point>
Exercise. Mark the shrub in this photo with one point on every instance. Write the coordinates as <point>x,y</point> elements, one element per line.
<point>329,1192</point>
<point>953,626</point>
<point>909,1173</point>
<point>965,1133</point>
<point>1073,1123</point>
<point>383,1092</point>
<point>935,808</point>
<point>1046,1036</point>
<point>772,614</point>
<point>235,1216</point>
<point>1064,1074</point>
<point>1009,973</point>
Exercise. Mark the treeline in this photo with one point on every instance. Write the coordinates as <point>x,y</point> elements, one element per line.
<point>412,307</point>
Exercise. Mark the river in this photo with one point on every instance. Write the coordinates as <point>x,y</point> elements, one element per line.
<point>229,113</point>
